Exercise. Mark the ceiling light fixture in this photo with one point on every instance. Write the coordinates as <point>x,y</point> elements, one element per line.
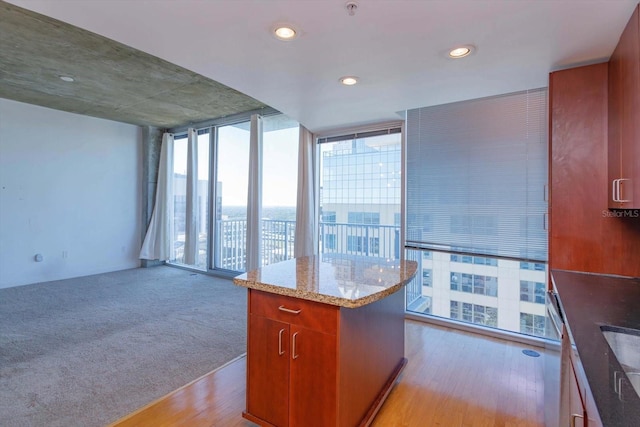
<point>68,79</point>
<point>285,33</point>
<point>348,80</point>
<point>461,51</point>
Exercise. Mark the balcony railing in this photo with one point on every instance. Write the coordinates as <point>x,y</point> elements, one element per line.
<point>360,239</point>
<point>278,241</point>
<point>414,287</point>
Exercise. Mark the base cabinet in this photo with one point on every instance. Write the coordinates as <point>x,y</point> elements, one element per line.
<point>269,370</point>
<point>577,411</point>
<point>317,365</point>
<point>312,392</point>
<point>580,408</point>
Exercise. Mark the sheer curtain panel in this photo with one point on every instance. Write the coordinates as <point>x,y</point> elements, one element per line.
<point>158,240</point>
<point>191,217</point>
<point>306,229</point>
<point>254,199</point>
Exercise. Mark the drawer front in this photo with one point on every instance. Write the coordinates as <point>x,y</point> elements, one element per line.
<point>308,314</point>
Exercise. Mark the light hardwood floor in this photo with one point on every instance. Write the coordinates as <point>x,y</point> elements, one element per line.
<point>453,378</point>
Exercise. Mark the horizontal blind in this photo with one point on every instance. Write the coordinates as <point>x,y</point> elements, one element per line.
<point>476,173</point>
<point>360,135</point>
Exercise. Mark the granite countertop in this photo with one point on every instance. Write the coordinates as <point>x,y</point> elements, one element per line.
<point>332,279</point>
<point>588,302</point>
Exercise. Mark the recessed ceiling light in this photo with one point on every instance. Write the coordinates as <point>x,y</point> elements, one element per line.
<point>285,33</point>
<point>461,51</point>
<point>349,80</point>
<point>67,79</point>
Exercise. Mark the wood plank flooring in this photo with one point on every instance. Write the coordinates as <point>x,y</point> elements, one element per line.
<point>453,378</point>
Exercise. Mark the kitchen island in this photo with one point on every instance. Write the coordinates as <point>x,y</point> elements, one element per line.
<point>325,339</point>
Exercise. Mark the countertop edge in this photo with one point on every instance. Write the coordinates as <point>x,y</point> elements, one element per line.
<point>321,298</point>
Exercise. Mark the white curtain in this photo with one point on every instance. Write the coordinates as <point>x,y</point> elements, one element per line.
<point>191,218</point>
<point>306,225</point>
<point>158,240</point>
<point>254,199</point>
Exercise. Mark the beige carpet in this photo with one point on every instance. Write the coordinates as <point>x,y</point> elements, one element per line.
<point>87,351</point>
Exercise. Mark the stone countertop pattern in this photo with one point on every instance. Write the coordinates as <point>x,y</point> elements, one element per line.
<point>589,301</point>
<point>341,281</point>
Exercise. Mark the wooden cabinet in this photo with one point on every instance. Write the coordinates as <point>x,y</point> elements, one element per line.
<point>580,409</point>
<point>312,387</point>
<point>285,362</point>
<point>313,364</point>
<point>269,370</point>
<point>291,360</point>
<point>577,411</point>
<point>624,119</point>
<point>583,410</point>
<point>572,408</point>
<point>593,417</point>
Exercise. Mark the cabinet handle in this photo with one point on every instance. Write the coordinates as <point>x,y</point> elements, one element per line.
<point>288,310</point>
<point>280,350</point>
<point>620,199</point>
<point>573,419</point>
<point>294,354</point>
<point>617,192</point>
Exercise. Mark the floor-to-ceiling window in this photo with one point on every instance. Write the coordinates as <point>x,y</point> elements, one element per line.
<point>360,194</point>
<point>232,174</point>
<point>180,197</point>
<point>201,198</point>
<point>476,211</point>
<point>220,210</point>
<point>279,187</point>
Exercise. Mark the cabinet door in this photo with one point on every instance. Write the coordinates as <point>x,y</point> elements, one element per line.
<point>614,145</point>
<point>592,411</point>
<point>313,383</point>
<point>268,370</point>
<point>624,118</point>
<point>630,141</point>
<point>576,406</point>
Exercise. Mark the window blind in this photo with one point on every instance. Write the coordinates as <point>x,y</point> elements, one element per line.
<point>476,174</point>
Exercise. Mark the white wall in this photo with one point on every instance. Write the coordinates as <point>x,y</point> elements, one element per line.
<point>69,190</point>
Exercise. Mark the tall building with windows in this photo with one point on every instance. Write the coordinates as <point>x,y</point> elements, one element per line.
<point>492,292</point>
<point>360,197</point>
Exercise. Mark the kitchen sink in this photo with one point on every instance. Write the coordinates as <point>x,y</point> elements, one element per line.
<point>625,343</point>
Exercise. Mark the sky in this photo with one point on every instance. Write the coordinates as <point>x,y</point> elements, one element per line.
<point>280,164</point>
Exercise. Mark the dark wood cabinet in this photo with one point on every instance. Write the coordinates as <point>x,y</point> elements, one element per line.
<point>581,410</point>
<point>312,387</point>
<point>577,411</point>
<point>292,359</point>
<point>624,119</point>
<point>296,366</point>
<point>269,370</point>
<point>583,234</point>
<point>315,364</point>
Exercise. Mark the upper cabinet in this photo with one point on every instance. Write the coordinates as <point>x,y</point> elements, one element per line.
<point>624,119</point>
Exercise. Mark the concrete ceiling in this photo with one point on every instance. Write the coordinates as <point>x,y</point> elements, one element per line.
<point>397,48</point>
<point>112,81</point>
